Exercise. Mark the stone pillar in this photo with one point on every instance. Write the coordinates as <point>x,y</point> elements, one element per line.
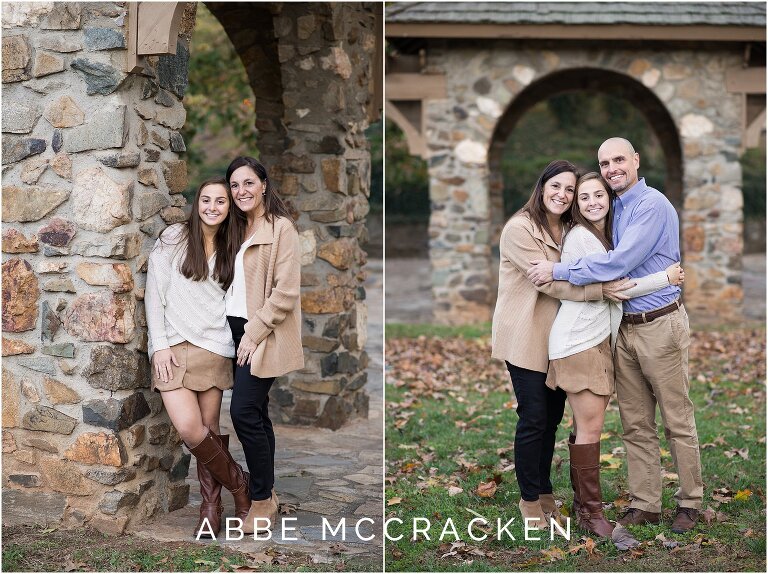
<point>323,171</point>
<point>459,224</point>
<point>90,177</point>
<point>712,217</point>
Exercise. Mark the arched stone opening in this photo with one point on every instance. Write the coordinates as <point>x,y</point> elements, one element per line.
<point>592,80</point>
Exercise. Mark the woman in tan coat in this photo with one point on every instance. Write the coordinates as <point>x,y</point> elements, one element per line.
<point>264,313</point>
<point>521,323</point>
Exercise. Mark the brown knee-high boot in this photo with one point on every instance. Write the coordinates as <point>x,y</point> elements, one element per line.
<point>210,490</point>
<point>585,468</point>
<point>215,456</point>
<point>576,504</point>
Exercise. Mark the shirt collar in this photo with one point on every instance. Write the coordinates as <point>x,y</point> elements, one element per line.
<point>633,193</point>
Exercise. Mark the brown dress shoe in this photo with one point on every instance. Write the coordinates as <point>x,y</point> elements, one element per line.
<point>585,471</point>
<point>685,519</point>
<point>635,516</point>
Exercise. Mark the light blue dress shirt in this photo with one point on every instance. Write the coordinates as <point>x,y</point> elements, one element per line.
<point>646,235</point>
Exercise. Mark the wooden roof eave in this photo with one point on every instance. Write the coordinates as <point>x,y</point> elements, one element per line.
<point>693,33</point>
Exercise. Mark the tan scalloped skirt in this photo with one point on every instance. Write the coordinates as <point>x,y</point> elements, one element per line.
<point>198,370</point>
<point>591,369</point>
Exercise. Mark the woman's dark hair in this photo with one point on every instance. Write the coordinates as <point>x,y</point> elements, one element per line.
<point>195,263</point>
<point>605,236</point>
<point>535,204</point>
<point>274,206</point>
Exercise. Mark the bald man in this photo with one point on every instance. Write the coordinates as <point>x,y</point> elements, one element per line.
<point>651,357</point>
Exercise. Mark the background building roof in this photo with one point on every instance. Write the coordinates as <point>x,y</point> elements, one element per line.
<point>579,13</point>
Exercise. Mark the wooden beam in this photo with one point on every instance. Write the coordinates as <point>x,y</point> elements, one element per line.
<point>754,131</point>
<point>579,32</point>
<point>132,65</point>
<point>158,27</point>
<point>416,87</point>
<point>745,80</point>
<point>417,145</point>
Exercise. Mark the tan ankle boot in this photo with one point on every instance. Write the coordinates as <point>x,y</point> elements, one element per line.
<point>261,510</point>
<point>549,506</point>
<point>274,497</point>
<point>533,511</point>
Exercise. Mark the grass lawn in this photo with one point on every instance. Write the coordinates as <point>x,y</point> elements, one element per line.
<point>450,428</point>
<point>35,549</point>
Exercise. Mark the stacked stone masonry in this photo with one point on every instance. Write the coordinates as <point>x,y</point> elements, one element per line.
<point>92,173</point>
<point>484,86</point>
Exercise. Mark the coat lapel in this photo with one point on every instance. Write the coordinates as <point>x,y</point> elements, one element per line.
<point>544,237</point>
<point>264,234</point>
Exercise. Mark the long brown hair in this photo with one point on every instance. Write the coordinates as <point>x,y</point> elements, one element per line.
<point>535,204</point>
<point>274,206</point>
<point>605,236</point>
<point>195,263</point>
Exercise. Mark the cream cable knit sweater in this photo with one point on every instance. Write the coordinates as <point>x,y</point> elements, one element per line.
<point>179,309</point>
<point>581,325</point>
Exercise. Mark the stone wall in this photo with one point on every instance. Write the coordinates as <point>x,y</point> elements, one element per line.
<point>484,86</point>
<point>91,175</point>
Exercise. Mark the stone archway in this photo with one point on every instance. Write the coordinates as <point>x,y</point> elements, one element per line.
<point>685,94</point>
<point>594,80</point>
<point>92,174</point>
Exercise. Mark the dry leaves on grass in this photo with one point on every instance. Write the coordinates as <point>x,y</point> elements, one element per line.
<point>735,355</point>
<point>430,365</point>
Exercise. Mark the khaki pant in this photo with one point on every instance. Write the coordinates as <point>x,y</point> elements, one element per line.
<point>651,363</point>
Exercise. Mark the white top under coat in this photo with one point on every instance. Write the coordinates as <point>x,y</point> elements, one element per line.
<point>235,297</point>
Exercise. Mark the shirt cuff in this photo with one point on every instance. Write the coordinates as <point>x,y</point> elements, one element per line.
<point>560,272</point>
<point>160,343</point>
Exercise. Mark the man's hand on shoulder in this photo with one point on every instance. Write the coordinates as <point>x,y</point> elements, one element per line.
<point>541,272</point>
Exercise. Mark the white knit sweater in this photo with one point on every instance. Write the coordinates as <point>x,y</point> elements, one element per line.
<point>179,309</point>
<point>582,325</point>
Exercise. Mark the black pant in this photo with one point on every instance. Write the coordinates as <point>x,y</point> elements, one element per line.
<point>539,411</point>
<point>250,416</point>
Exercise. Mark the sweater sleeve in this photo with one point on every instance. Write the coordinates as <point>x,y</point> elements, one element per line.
<point>158,278</point>
<point>286,286</point>
<point>520,248</point>
<point>648,284</point>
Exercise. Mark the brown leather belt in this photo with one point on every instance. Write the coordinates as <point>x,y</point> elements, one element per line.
<point>648,316</point>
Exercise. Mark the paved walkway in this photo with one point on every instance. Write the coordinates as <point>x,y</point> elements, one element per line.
<point>323,473</point>
<point>409,289</point>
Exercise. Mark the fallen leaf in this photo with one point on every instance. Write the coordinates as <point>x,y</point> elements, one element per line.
<point>393,501</point>
<point>743,495</point>
<point>486,489</point>
<point>708,515</point>
<point>667,543</point>
<point>622,538</point>
<point>71,566</point>
<point>553,554</point>
<point>454,490</point>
